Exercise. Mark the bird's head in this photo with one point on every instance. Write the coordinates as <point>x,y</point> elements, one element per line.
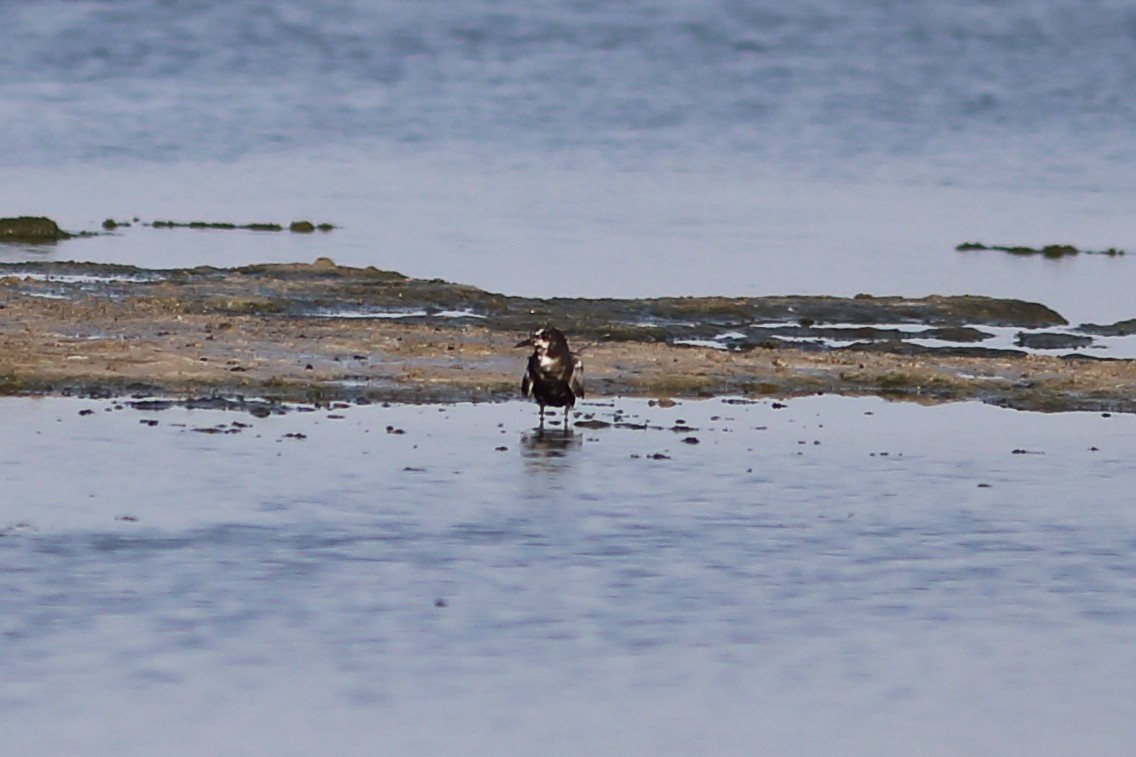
<point>544,339</point>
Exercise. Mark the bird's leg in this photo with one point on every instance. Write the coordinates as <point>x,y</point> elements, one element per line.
<point>566,420</point>
<point>542,416</point>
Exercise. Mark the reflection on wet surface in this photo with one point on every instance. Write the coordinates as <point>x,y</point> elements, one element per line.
<point>422,571</point>
<point>546,443</point>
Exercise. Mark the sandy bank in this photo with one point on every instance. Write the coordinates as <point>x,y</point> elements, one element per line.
<point>322,332</point>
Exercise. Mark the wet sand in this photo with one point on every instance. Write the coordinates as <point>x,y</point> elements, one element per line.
<point>323,332</point>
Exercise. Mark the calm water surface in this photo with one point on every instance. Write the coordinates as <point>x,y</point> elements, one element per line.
<point>835,576</point>
<point>567,147</point>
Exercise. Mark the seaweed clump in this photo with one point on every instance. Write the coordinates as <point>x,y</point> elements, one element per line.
<point>299,227</point>
<point>1052,251</point>
<point>34,229</point>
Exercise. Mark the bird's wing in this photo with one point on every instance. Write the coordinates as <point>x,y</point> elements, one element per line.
<point>526,385</point>
<point>576,383</point>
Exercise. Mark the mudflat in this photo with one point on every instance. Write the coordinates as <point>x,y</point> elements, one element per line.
<point>323,332</point>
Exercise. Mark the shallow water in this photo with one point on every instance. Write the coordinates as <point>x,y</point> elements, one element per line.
<point>831,576</point>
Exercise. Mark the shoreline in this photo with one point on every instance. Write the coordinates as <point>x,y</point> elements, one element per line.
<point>326,333</point>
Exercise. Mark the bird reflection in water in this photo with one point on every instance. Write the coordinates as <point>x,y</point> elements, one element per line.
<point>549,450</point>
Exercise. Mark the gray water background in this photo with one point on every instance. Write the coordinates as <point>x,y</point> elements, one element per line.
<point>595,149</point>
<point>177,592</point>
<point>835,576</point>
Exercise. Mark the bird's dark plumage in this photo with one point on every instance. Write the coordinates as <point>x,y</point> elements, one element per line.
<point>554,376</point>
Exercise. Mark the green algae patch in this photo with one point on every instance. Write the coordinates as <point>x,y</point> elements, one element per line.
<point>320,268</point>
<point>11,384</point>
<point>298,227</point>
<point>246,305</point>
<point>307,227</point>
<point>1051,251</point>
<point>33,229</point>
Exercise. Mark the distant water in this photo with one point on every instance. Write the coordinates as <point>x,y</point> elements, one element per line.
<point>578,147</point>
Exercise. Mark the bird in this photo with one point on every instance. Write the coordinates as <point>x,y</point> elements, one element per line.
<point>554,375</point>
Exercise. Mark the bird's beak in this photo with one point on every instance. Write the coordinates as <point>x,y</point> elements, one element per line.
<point>524,343</point>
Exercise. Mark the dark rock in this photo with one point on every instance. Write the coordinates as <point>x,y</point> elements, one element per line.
<point>955,334</point>
<point>1120,328</point>
<point>1052,341</point>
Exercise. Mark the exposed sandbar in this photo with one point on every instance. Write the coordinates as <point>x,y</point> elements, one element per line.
<point>323,332</point>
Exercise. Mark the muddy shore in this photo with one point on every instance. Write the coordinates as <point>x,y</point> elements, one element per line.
<point>324,333</point>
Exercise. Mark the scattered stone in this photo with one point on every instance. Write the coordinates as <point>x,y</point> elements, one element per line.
<point>691,440</point>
